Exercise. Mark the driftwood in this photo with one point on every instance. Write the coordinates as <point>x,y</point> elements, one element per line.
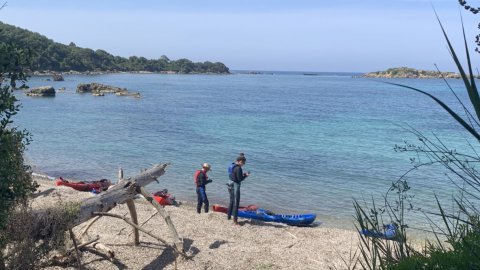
<point>80,246</point>
<point>77,253</point>
<point>122,192</point>
<point>176,247</point>
<point>84,231</point>
<point>133,213</point>
<point>102,249</point>
<point>178,243</point>
<point>145,222</point>
<point>91,244</point>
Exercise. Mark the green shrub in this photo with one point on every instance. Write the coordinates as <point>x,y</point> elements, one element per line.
<point>15,177</point>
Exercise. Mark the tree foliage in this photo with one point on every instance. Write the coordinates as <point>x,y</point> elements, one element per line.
<point>15,177</point>
<point>50,55</point>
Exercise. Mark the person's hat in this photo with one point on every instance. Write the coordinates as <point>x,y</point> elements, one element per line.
<point>206,166</point>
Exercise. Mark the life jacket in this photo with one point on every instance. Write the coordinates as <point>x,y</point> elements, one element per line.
<point>230,170</point>
<point>195,176</point>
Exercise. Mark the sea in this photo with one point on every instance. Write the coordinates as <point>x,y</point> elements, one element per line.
<point>315,142</point>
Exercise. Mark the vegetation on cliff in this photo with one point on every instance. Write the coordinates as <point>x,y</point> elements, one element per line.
<point>47,54</point>
<point>405,72</point>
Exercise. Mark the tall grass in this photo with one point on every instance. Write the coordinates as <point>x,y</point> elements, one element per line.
<point>457,237</point>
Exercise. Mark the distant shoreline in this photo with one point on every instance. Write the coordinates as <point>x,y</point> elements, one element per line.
<point>72,72</point>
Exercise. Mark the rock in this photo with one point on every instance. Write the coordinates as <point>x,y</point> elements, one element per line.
<point>128,94</point>
<point>57,77</point>
<point>98,89</point>
<point>405,72</point>
<point>43,91</point>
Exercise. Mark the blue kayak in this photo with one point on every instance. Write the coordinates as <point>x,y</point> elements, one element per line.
<point>389,232</point>
<point>264,215</point>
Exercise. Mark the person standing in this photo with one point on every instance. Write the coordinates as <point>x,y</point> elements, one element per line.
<point>201,180</point>
<point>236,177</point>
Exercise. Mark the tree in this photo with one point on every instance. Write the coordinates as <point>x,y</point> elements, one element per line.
<point>15,177</point>
<point>473,10</point>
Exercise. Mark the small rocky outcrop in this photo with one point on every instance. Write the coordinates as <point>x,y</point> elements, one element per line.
<point>43,91</point>
<point>98,89</point>
<point>58,77</point>
<point>405,72</point>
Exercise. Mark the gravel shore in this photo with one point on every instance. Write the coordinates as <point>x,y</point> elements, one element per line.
<point>211,240</point>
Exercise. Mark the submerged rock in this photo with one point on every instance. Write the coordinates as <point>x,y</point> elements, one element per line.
<point>128,94</point>
<point>43,91</point>
<point>98,94</point>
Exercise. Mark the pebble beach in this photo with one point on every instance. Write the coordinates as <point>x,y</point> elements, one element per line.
<point>210,240</point>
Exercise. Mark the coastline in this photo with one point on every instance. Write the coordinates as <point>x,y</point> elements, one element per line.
<point>49,73</point>
<point>211,239</point>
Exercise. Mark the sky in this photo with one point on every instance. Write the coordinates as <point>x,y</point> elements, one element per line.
<point>275,35</point>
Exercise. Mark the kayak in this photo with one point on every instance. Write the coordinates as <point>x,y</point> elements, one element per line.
<point>389,232</point>
<point>93,186</point>
<point>164,198</point>
<point>221,209</point>
<point>265,215</point>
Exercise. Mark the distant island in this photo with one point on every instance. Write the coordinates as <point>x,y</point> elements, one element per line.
<point>48,57</point>
<point>405,72</point>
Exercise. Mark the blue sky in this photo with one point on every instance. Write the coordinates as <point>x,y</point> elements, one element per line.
<point>300,35</point>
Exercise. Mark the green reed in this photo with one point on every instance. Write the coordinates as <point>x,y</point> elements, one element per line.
<point>457,237</point>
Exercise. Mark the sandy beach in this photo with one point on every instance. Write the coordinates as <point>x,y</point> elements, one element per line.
<point>211,241</point>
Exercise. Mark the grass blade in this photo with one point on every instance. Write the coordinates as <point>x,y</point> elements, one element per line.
<point>444,106</point>
<point>471,89</point>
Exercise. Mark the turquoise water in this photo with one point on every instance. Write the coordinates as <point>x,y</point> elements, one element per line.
<point>313,143</point>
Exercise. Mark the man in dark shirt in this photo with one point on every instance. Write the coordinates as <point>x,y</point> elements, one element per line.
<point>201,179</point>
<point>236,178</point>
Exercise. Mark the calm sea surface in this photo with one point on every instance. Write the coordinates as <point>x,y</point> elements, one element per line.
<point>313,143</point>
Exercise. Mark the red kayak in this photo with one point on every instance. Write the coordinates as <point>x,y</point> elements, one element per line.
<point>164,198</point>
<point>221,209</point>
<point>94,186</point>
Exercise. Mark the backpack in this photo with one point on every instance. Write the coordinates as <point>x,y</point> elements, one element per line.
<point>230,170</point>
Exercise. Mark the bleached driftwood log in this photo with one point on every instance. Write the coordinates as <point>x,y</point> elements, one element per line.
<point>133,213</point>
<point>120,193</point>
<point>124,190</point>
